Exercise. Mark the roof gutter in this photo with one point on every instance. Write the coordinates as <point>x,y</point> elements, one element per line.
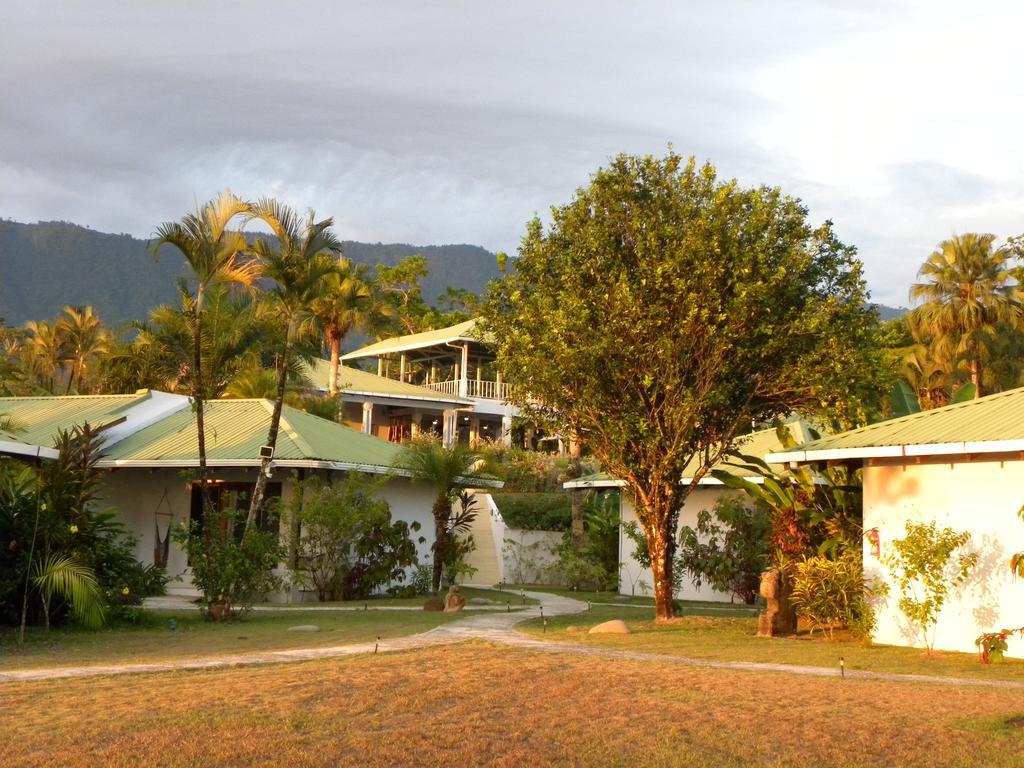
<point>895,451</point>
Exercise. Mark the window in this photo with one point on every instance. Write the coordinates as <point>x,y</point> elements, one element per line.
<point>235,496</point>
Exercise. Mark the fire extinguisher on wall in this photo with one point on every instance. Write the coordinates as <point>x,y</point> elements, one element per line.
<point>873,539</point>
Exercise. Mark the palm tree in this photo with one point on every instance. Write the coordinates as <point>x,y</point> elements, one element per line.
<point>45,352</point>
<point>350,300</point>
<point>447,470</point>
<point>85,339</point>
<point>298,261</point>
<point>927,376</point>
<point>216,255</point>
<point>967,289</point>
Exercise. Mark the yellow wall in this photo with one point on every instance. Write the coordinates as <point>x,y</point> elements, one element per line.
<point>981,497</point>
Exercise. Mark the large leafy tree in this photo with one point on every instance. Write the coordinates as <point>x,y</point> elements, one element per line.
<point>967,293</point>
<point>663,311</point>
<point>216,254</point>
<point>297,263</point>
<point>448,470</point>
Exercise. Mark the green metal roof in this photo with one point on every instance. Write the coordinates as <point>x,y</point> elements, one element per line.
<point>235,430</point>
<point>756,444</point>
<point>354,381</point>
<point>39,419</point>
<point>462,332</point>
<point>989,424</point>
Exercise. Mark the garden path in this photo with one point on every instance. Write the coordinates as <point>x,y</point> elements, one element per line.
<point>495,627</point>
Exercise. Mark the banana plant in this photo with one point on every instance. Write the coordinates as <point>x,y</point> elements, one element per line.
<point>809,508</point>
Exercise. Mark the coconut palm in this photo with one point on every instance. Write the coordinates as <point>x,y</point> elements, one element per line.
<point>447,470</point>
<point>85,340</point>
<point>967,290</point>
<point>350,301</point>
<point>297,261</point>
<point>215,255</point>
<point>44,352</point>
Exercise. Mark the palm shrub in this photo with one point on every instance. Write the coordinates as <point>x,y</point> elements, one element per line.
<point>832,592</point>
<point>448,470</point>
<point>60,556</point>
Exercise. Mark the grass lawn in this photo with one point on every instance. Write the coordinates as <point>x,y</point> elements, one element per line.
<point>153,640</point>
<point>726,638</point>
<point>702,607</point>
<point>474,704</point>
<point>494,595</point>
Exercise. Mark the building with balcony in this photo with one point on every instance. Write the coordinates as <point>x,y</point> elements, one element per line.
<point>454,362</point>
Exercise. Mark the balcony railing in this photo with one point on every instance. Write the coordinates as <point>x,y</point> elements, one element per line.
<point>486,390</point>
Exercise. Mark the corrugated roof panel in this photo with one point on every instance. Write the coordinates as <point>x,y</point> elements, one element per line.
<point>39,419</point>
<point>993,418</point>
<point>235,430</point>
<point>466,330</point>
<point>354,380</point>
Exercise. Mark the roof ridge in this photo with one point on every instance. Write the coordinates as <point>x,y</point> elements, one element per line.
<point>294,435</point>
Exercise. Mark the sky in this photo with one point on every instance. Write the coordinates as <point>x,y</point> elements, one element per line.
<point>456,122</point>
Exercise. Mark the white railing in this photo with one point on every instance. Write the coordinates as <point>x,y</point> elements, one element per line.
<point>486,390</point>
<point>445,387</point>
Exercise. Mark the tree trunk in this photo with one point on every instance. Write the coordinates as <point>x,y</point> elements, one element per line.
<point>574,471</point>
<point>198,399</point>
<point>442,514</point>
<point>661,545</point>
<point>332,382</point>
<point>275,423</point>
<point>976,376</point>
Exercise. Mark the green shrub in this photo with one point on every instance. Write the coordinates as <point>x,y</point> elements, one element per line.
<point>729,552</point>
<point>595,563</point>
<point>927,564</point>
<point>350,547</point>
<point>537,511</point>
<point>230,574</point>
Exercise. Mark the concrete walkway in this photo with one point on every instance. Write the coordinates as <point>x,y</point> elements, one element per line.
<point>495,627</point>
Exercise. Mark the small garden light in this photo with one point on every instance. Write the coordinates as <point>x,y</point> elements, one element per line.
<point>376,645</point>
<point>508,606</point>
<point>842,667</point>
<point>173,624</point>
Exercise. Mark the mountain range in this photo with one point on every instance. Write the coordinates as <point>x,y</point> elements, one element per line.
<point>50,264</point>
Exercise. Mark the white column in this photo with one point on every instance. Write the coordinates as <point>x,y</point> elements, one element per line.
<point>401,367</point>
<point>464,372</point>
<point>474,429</point>
<point>380,366</point>
<point>368,418</point>
<point>506,430</point>
<point>449,428</point>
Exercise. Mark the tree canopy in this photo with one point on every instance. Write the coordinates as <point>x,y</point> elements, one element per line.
<point>664,310</point>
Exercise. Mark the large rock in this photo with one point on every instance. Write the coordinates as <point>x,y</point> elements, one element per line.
<point>304,628</point>
<point>613,627</point>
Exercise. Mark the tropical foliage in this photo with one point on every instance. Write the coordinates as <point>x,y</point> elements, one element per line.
<point>350,546</point>
<point>927,564</point>
<point>448,470</point>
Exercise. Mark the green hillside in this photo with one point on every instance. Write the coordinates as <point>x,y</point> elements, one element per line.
<point>47,265</point>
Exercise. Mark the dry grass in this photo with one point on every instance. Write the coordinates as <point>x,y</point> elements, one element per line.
<point>475,704</point>
<point>734,639</point>
<point>194,637</point>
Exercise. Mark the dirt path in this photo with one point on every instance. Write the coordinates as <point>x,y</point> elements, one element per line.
<point>495,627</point>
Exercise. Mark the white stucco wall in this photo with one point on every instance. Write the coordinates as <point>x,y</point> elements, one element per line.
<point>981,497</point>
<point>527,555</point>
<point>140,494</point>
<point>633,577</point>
